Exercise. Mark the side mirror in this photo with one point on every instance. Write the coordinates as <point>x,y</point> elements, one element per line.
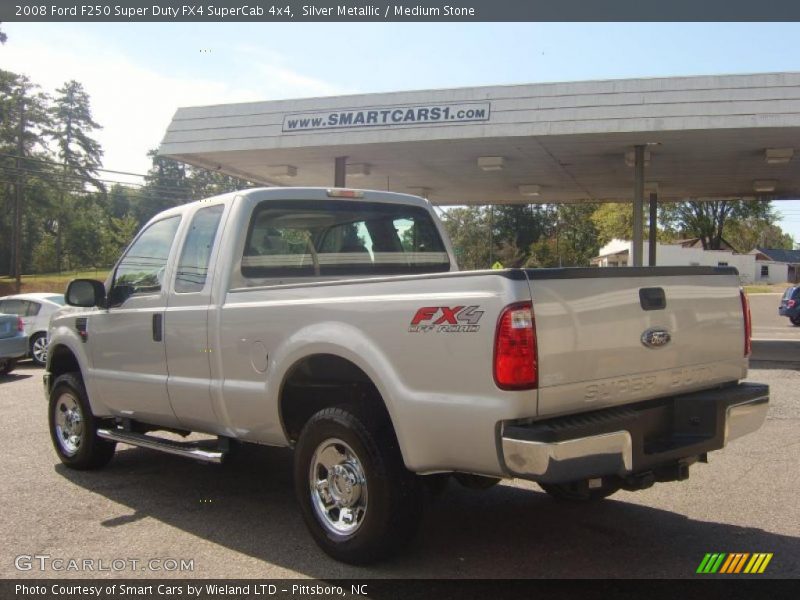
<point>85,293</point>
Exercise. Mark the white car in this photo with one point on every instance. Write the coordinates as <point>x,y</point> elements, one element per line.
<point>35,310</point>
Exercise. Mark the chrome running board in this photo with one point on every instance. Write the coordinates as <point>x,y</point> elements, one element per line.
<point>185,449</point>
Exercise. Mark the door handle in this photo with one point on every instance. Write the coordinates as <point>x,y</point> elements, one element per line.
<point>158,327</point>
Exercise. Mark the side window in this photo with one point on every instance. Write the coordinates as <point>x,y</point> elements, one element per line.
<point>193,265</point>
<point>32,309</point>
<point>141,270</point>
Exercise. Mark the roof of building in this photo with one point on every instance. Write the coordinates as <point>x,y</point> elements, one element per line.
<point>706,137</point>
<point>781,255</point>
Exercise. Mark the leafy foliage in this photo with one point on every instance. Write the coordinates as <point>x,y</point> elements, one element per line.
<point>70,219</point>
<point>707,219</point>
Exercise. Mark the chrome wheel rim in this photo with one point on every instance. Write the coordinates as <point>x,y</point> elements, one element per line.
<point>338,487</point>
<point>39,349</point>
<point>69,424</point>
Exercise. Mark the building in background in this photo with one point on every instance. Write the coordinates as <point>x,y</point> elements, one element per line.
<point>758,266</point>
<point>788,259</point>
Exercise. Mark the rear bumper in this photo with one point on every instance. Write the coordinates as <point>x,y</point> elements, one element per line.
<point>633,439</point>
<point>789,312</point>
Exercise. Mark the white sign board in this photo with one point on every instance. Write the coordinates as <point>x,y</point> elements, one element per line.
<point>388,116</point>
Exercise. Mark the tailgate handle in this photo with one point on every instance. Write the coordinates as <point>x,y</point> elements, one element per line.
<point>652,298</point>
<point>158,328</point>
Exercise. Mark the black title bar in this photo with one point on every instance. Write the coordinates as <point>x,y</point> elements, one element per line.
<point>415,10</point>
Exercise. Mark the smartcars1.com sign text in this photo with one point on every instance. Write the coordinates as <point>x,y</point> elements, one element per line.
<point>426,114</point>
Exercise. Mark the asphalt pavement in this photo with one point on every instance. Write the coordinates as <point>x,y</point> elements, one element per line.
<point>241,520</point>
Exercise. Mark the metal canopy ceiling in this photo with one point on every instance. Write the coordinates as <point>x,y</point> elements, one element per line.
<point>706,137</point>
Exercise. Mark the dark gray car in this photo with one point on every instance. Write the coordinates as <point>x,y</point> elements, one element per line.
<point>790,305</point>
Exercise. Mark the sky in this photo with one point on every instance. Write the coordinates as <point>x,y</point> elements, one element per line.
<point>138,74</point>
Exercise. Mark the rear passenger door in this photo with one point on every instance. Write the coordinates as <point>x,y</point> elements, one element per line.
<point>186,322</point>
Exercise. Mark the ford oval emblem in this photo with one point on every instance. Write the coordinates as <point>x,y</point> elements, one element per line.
<point>655,338</point>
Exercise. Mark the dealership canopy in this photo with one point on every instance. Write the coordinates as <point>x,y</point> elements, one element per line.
<point>722,136</point>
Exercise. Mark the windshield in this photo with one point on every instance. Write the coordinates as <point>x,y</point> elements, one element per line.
<point>58,299</point>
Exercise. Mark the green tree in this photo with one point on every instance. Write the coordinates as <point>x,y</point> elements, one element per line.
<point>468,228</point>
<point>24,170</point>
<point>706,220</point>
<point>167,184</point>
<point>746,234</point>
<point>80,156</point>
<point>205,183</point>
<point>613,220</point>
<point>517,226</point>
<point>571,241</point>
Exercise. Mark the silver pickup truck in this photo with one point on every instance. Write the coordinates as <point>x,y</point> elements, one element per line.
<point>336,322</point>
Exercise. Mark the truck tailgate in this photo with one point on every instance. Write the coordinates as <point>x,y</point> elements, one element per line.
<point>601,334</point>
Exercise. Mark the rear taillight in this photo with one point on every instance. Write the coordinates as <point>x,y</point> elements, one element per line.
<point>748,326</point>
<point>515,348</point>
<point>20,324</point>
<point>790,304</point>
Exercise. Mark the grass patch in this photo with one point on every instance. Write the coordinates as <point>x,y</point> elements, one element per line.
<point>48,282</point>
<point>766,288</point>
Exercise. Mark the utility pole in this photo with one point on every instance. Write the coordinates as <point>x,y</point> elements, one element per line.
<point>18,198</point>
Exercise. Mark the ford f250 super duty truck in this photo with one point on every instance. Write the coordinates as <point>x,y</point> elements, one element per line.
<point>336,322</point>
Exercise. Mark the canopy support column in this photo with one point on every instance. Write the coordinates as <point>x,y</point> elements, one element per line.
<point>638,207</point>
<point>652,241</point>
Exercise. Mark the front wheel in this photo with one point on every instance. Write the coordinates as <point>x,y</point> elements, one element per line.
<point>795,321</point>
<point>38,349</point>
<point>358,500</point>
<point>579,491</point>
<point>73,427</point>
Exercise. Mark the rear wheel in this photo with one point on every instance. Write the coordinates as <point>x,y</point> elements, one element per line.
<point>358,500</point>
<point>579,491</point>
<point>795,321</point>
<point>38,349</point>
<point>6,366</point>
<point>73,427</point>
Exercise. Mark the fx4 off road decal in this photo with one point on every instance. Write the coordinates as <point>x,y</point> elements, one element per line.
<point>446,319</point>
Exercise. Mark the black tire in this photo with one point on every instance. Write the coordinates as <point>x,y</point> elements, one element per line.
<point>375,491</point>
<point>476,482</point>
<point>37,353</point>
<point>6,366</point>
<point>580,491</point>
<point>73,427</point>
<point>795,321</point>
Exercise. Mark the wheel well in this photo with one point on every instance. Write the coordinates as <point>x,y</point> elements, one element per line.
<point>321,381</point>
<point>61,361</point>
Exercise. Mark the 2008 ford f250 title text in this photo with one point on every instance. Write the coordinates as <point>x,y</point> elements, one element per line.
<point>336,322</point>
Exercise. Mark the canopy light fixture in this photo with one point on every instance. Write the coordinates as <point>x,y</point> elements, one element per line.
<point>530,190</point>
<point>630,158</point>
<point>491,163</point>
<point>357,169</point>
<point>281,171</point>
<point>778,156</point>
<point>765,185</point>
